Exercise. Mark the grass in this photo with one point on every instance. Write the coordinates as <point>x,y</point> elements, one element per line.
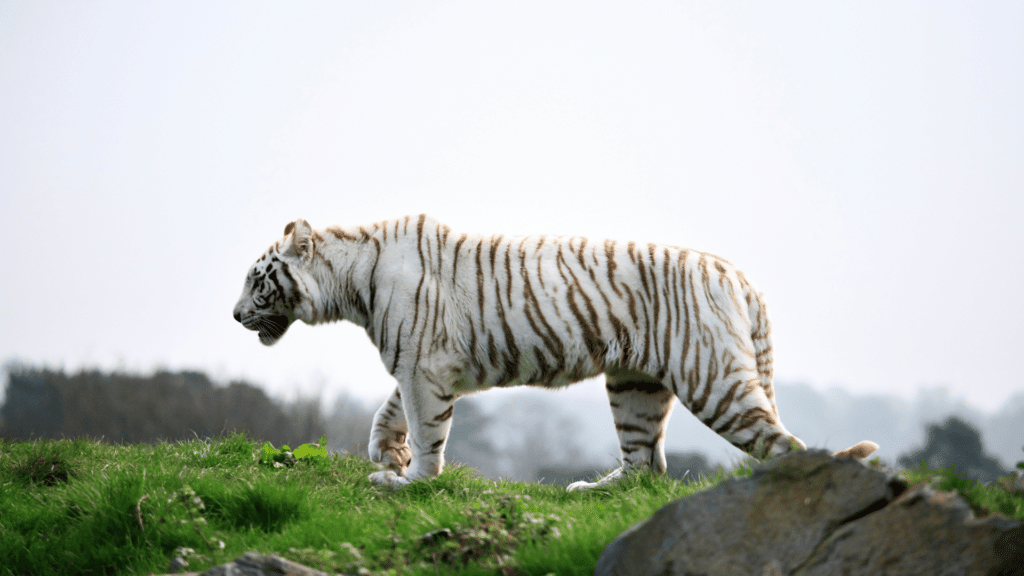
<point>84,507</point>
<point>984,499</point>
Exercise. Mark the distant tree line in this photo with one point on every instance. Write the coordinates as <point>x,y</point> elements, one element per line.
<point>42,403</point>
<point>522,439</point>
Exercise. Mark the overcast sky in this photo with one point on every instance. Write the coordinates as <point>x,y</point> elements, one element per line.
<point>862,163</point>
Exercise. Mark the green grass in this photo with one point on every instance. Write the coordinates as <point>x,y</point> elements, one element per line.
<point>83,507</point>
<point>983,498</point>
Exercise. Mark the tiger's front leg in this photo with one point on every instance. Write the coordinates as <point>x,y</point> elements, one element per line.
<point>428,409</point>
<point>388,435</point>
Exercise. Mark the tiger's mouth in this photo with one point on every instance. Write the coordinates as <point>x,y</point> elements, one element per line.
<point>271,328</point>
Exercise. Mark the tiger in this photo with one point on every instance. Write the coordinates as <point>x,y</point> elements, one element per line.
<point>452,314</point>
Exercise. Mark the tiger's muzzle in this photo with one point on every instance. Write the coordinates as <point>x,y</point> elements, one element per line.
<point>269,327</point>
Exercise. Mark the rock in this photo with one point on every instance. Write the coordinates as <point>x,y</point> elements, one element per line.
<point>809,513</point>
<point>253,564</point>
<point>921,532</point>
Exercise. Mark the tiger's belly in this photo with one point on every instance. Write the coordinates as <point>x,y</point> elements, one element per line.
<point>529,363</point>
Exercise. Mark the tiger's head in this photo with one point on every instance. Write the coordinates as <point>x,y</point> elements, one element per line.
<point>277,288</point>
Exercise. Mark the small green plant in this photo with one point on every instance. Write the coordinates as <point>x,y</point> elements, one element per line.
<point>286,457</point>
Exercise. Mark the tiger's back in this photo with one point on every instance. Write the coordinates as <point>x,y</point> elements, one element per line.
<point>455,313</point>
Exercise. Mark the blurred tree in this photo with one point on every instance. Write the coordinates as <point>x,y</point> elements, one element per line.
<point>470,440</point>
<point>32,406</point>
<point>348,425</point>
<point>530,433</point>
<point>955,443</point>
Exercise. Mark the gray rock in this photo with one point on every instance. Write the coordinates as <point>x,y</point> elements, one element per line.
<point>253,564</point>
<point>809,513</point>
<point>921,532</point>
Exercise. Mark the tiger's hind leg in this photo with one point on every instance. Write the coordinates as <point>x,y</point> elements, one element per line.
<point>641,406</point>
<point>746,416</point>
<point>740,410</point>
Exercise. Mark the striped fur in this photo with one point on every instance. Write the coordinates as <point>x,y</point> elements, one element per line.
<point>454,313</point>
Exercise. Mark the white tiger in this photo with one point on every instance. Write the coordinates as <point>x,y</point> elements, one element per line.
<point>453,313</point>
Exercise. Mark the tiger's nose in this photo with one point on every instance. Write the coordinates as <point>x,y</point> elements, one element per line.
<point>238,316</point>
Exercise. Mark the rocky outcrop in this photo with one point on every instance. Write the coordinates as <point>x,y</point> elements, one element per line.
<point>807,513</point>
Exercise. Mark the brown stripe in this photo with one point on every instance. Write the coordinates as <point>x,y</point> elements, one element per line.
<point>551,340</point>
<point>423,272</point>
<point>723,404</point>
<point>480,281</point>
<point>591,333</point>
<point>339,233</point>
<point>753,416</point>
<point>725,425</point>
<point>444,397</point>
<point>440,246</point>
<point>437,303</point>
<point>373,273</point>
<point>579,253</point>
<point>511,358</point>
<point>647,336</point>
<point>653,418</point>
<point>492,350</point>
<point>700,402</point>
<point>447,414</point>
<point>455,259</point>
<point>494,242</point>
<point>609,256</point>
<point>398,348</point>
<point>508,274</point>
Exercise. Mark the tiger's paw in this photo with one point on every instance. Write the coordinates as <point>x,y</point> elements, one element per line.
<point>581,485</point>
<point>611,478</point>
<point>391,453</point>
<point>859,450</point>
<point>389,478</point>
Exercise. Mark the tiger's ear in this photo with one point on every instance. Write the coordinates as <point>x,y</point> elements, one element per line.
<point>302,238</point>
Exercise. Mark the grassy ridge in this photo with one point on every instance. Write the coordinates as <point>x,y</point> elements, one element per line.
<point>83,507</point>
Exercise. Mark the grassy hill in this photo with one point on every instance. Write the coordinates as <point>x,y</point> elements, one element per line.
<point>85,507</point>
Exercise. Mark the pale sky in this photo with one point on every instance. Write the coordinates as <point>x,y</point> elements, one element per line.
<point>862,163</point>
